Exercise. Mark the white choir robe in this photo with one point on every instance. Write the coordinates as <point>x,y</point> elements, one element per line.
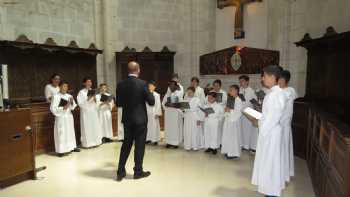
<point>153,125</point>
<point>193,133</point>
<point>173,121</point>
<point>105,116</point>
<point>231,137</point>
<point>64,133</point>
<point>223,105</point>
<point>212,126</point>
<point>90,126</point>
<point>120,124</point>
<point>50,91</point>
<point>249,134</point>
<point>287,143</point>
<point>267,171</point>
<point>181,90</point>
<point>199,93</point>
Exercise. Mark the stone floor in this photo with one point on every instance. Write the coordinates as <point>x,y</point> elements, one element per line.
<point>91,173</point>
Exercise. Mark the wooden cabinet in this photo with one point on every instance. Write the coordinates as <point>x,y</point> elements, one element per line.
<point>16,147</point>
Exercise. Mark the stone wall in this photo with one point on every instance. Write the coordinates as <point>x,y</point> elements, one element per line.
<point>62,20</point>
<point>189,27</point>
<point>185,26</point>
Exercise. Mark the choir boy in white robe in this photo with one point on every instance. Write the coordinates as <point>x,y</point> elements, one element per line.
<point>64,134</point>
<point>286,121</point>
<point>90,126</point>
<point>173,117</point>
<point>53,87</point>
<point>217,88</point>
<point>212,124</point>
<point>105,113</point>
<point>231,139</point>
<point>153,113</point>
<point>267,172</point>
<point>193,128</point>
<point>175,77</point>
<point>249,132</point>
<point>199,92</point>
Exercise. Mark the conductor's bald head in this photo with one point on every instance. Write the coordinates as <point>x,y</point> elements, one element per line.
<point>134,68</point>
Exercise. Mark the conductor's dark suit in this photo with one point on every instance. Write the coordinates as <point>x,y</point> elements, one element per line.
<point>132,95</point>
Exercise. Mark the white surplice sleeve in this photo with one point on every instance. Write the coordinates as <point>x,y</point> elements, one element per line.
<point>157,105</point>
<point>82,99</point>
<point>274,108</point>
<point>74,105</point>
<point>54,108</point>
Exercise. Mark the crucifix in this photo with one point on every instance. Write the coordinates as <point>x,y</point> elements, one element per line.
<point>239,4</point>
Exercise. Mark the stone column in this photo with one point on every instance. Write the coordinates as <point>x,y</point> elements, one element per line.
<point>98,31</point>
<point>108,15</point>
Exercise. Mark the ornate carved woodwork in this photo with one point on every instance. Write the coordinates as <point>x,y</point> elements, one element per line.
<point>236,60</point>
<point>30,65</point>
<point>156,66</point>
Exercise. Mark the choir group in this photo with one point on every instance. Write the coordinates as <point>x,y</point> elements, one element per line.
<point>95,115</point>
<point>195,118</point>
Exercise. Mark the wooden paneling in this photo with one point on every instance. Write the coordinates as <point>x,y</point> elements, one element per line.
<point>327,104</point>
<point>300,126</point>
<point>16,147</point>
<point>328,154</point>
<point>156,66</point>
<point>30,66</point>
<point>43,125</point>
<point>328,71</point>
<point>252,60</point>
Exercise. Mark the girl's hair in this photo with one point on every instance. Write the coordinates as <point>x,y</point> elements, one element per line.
<point>53,76</point>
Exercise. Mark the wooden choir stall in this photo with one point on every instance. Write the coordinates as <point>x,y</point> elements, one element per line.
<point>27,129</point>
<point>155,66</point>
<point>321,125</point>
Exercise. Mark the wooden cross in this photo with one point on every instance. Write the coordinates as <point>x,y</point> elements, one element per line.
<point>239,32</point>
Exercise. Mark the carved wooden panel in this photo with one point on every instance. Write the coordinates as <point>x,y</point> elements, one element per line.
<point>329,156</point>
<point>30,66</point>
<point>328,71</point>
<point>157,66</point>
<point>247,61</point>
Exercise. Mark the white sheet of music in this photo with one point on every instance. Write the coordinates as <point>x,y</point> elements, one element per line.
<point>253,113</point>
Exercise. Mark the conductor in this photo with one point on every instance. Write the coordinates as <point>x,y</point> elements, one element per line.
<point>132,95</point>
